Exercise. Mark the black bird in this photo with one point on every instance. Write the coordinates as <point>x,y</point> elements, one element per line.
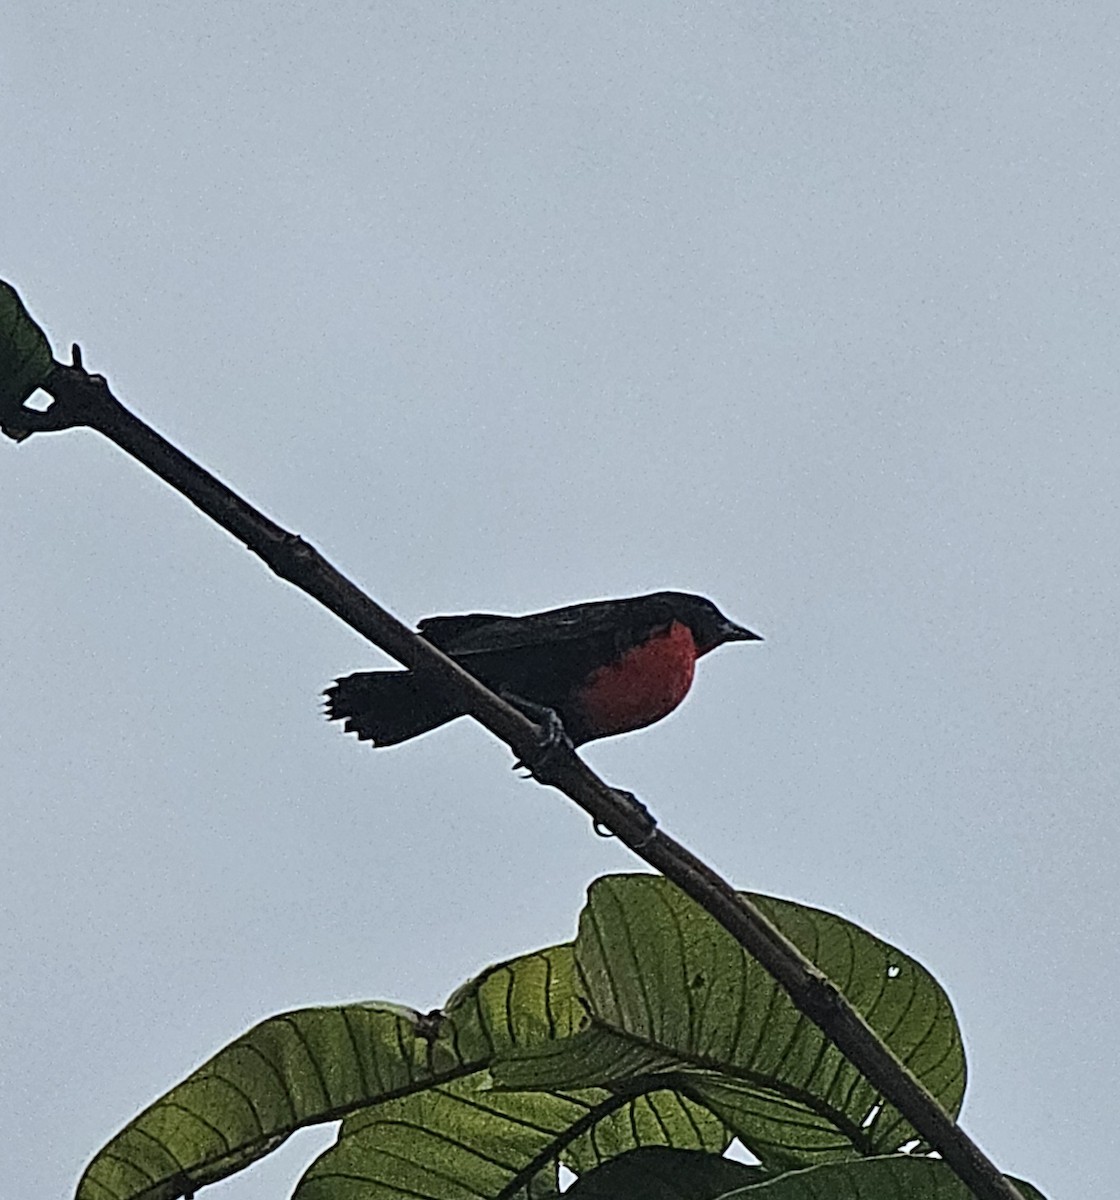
<point>604,668</point>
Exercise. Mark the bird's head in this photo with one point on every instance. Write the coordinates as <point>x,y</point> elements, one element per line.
<point>710,628</point>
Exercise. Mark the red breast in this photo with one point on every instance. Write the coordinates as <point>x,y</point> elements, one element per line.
<point>643,686</point>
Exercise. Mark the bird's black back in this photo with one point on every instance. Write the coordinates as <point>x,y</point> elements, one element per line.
<point>546,656</point>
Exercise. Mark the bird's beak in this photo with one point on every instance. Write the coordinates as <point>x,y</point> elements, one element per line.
<point>730,632</point>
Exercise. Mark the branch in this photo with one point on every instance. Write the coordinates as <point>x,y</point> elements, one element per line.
<point>82,399</point>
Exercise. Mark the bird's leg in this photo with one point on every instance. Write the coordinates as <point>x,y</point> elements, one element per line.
<point>551,734</point>
<point>552,737</point>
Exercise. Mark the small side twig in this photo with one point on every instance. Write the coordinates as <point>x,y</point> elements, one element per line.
<point>84,399</point>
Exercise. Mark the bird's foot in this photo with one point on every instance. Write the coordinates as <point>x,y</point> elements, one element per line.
<point>552,737</point>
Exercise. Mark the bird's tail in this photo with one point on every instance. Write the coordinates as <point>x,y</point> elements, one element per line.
<point>386,707</point>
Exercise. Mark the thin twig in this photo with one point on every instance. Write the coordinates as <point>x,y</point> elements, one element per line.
<point>84,399</point>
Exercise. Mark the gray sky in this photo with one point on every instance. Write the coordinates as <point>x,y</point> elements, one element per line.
<point>807,308</point>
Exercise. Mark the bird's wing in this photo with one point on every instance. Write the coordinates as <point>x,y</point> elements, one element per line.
<point>486,633</point>
<point>445,631</point>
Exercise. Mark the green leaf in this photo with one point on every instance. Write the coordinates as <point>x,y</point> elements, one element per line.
<point>679,992</point>
<point>596,1057</point>
<point>659,1173</point>
<point>895,1177</point>
<point>599,1061</point>
<point>653,1119</point>
<point>317,1065</point>
<point>456,1140</point>
<point>25,353</point>
<point>516,1005</point>
<point>296,1069</point>
<point>532,1006</point>
<point>466,1137</point>
<point>653,1029</point>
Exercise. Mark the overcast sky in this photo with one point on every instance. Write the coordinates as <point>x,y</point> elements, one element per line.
<point>810,308</point>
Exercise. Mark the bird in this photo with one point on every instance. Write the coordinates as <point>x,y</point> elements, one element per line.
<point>602,668</point>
